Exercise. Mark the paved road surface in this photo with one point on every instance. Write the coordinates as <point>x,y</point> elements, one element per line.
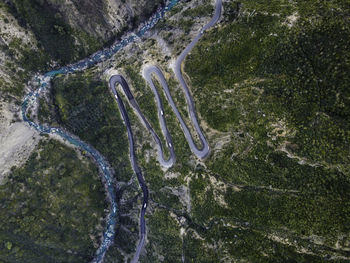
<point>147,73</point>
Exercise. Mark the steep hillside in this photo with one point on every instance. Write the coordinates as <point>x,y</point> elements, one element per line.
<point>270,84</point>
<point>36,35</point>
<point>265,82</point>
<point>52,208</point>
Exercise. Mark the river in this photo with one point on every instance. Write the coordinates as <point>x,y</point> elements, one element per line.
<point>43,82</point>
<point>107,178</point>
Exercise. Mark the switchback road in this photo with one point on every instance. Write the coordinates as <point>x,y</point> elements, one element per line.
<point>147,73</point>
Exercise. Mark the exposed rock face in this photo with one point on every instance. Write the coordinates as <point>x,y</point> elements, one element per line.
<point>90,16</point>
<point>72,26</point>
<point>101,19</point>
<point>16,139</point>
<point>14,41</point>
<point>37,34</point>
<point>104,18</point>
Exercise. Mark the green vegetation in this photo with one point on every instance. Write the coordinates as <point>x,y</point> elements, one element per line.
<point>311,63</point>
<point>151,168</point>
<point>86,108</point>
<point>273,81</point>
<point>51,208</point>
<point>164,238</point>
<point>185,25</point>
<point>303,67</point>
<point>279,88</point>
<point>57,41</point>
<point>57,38</point>
<point>200,11</point>
<point>246,245</point>
<point>44,111</point>
<point>146,100</point>
<point>30,60</point>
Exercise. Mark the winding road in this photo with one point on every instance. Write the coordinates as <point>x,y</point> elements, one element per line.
<point>43,82</point>
<point>147,74</point>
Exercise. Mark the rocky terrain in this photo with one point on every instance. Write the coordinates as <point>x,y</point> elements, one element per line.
<point>32,33</point>
<point>270,85</point>
<point>17,140</point>
<point>39,35</point>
